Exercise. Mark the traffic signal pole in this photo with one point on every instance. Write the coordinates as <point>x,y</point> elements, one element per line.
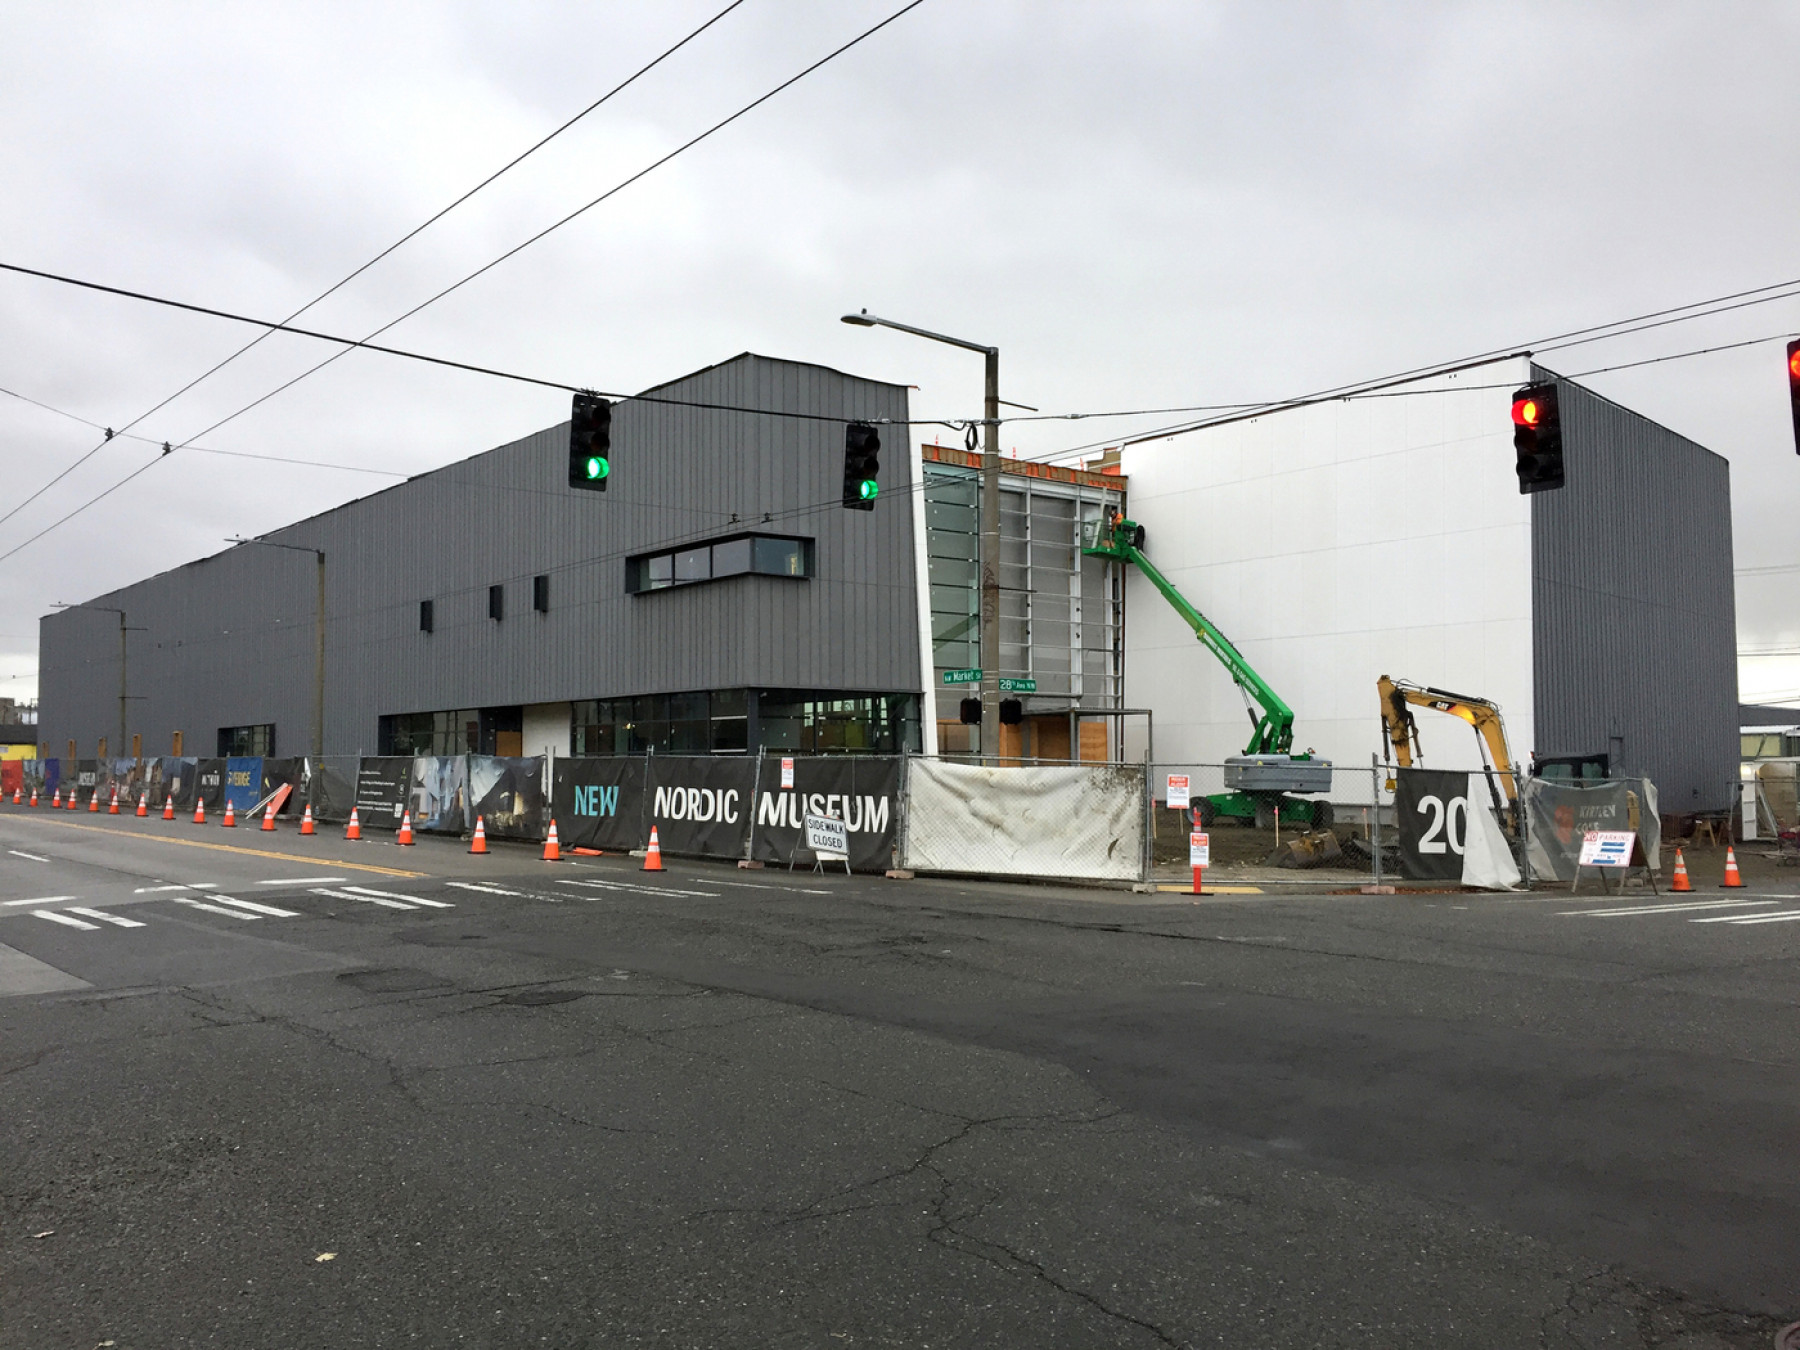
<point>989,635</point>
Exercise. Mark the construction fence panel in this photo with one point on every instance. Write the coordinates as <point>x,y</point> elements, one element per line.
<point>383,785</point>
<point>509,794</point>
<point>700,804</point>
<point>289,772</point>
<point>863,791</point>
<point>1558,814</point>
<point>1073,821</point>
<point>439,795</point>
<point>598,801</point>
<point>331,786</point>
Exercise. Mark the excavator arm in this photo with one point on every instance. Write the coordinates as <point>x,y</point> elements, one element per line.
<point>1399,697</point>
<point>1273,733</point>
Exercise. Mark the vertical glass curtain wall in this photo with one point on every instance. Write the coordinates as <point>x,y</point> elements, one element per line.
<point>733,721</point>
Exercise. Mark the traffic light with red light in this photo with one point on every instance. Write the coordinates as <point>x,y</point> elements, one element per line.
<point>862,462</point>
<point>1793,353</point>
<point>1537,438</point>
<point>590,442</point>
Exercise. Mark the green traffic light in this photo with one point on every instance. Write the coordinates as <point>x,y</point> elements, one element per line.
<point>598,468</point>
<point>868,489</point>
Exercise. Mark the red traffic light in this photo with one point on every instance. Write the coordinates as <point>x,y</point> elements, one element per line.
<point>1527,412</point>
<point>1794,360</point>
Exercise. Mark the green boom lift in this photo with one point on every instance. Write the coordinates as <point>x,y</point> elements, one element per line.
<point>1268,769</point>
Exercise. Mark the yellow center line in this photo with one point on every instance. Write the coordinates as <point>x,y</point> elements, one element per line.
<point>233,848</point>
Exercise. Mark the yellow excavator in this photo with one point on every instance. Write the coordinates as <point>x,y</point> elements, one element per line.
<point>1400,733</point>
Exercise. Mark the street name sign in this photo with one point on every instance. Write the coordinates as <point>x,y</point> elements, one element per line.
<point>962,677</point>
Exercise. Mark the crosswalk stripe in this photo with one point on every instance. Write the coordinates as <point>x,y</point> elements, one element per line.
<point>298,881</point>
<point>490,890</point>
<point>409,899</point>
<point>383,901</point>
<point>1785,916</point>
<point>54,917</point>
<point>212,909</point>
<point>634,889</point>
<point>269,910</point>
<point>1658,909</point>
<point>102,915</point>
<point>43,900</point>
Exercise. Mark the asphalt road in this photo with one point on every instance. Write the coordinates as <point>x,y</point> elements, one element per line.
<point>257,1090</point>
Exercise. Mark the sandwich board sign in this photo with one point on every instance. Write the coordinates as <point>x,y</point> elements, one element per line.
<point>829,840</point>
<point>1178,791</point>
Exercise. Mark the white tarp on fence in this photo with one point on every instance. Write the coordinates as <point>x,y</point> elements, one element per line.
<point>1078,820</point>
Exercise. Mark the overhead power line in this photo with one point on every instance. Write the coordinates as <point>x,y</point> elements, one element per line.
<point>403,239</point>
<point>351,345</point>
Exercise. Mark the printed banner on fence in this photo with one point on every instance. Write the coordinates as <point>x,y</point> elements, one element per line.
<point>599,803</point>
<point>508,795</point>
<point>209,784</point>
<point>291,773</point>
<point>863,791</point>
<point>331,786</point>
<point>440,793</point>
<point>1562,815</point>
<point>243,781</point>
<point>1431,811</point>
<point>382,785</point>
<point>699,805</point>
<point>12,776</point>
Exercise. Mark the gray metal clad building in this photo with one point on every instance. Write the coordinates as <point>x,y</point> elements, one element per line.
<point>1633,609</point>
<point>717,596</point>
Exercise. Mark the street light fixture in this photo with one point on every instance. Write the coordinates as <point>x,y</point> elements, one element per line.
<point>319,639</point>
<point>989,631</point>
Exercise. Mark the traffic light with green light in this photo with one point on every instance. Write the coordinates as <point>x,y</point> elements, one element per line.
<point>862,465</point>
<point>590,442</point>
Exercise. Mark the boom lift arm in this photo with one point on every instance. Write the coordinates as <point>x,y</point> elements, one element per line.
<point>1273,734</point>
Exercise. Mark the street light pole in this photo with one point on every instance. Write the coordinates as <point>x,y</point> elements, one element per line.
<point>988,631</point>
<point>318,639</point>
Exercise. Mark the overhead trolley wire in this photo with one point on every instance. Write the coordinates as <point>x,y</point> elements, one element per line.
<point>350,345</point>
<point>351,276</point>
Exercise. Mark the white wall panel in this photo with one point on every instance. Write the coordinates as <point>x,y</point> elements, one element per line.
<point>1334,544</point>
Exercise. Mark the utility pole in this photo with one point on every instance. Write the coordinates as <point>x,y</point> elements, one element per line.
<point>124,668</point>
<point>988,630</point>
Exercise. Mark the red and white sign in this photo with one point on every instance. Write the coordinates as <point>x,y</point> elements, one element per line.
<point>1607,848</point>
<point>1178,791</point>
<point>787,775</point>
<point>1199,850</point>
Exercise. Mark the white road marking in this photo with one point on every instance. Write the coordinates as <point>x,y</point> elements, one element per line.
<point>1785,916</point>
<point>764,886</point>
<point>471,886</point>
<point>366,899</point>
<point>635,889</point>
<point>410,899</point>
<point>203,885</point>
<point>154,890</point>
<point>269,910</point>
<point>212,909</point>
<point>44,900</point>
<point>299,881</point>
<point>54,917</point>
<point>29,856</point>
<point>103,916</point>
<point>1661,909</point>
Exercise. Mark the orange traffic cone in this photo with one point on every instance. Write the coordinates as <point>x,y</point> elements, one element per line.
<point>653,854</point>
<point>552,849</point>
<point>354,829</point>
<point>405,835</point>
<point>34,796</point>
<point>1732,876</point>
<point>199,809</point>
<point>169,807</point>
<point>269,817</point>
<point>306,821</point>
<point>56,800</point>
<point>71,802</point>
<point>113,810</point>
<point>230,821</point>
<point>94,799</point>
<point>479,843</point>
<point>143,804</point>
<point>1680,882</point>
<point>18,796</point>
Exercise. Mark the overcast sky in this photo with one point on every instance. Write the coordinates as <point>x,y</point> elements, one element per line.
<point>1141,204</point>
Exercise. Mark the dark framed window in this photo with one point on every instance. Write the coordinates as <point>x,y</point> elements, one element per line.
<point>427,617</point>
<point>735,555</point>
<point>251,740</point>
<point>540,594</point>
<point>496,602</point>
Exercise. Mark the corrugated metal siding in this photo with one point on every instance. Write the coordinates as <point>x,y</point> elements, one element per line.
<point>230,638</point>
<point>1634,624</point>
